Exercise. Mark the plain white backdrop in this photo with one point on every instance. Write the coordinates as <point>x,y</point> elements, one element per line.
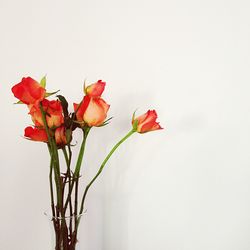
<point>184,188</point>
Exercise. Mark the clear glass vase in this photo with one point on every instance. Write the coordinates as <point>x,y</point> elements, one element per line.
<point>64,232</point>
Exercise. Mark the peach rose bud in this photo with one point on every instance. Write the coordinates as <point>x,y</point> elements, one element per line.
<point>146,122</point>
<point>93,111</point>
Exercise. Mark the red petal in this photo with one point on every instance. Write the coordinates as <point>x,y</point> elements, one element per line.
<point>36,134</point>
<point>28,91</point>
<point>81,110</point>
<point>96,89</point>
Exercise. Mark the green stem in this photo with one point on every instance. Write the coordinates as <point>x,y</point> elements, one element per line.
<point>68,176</point>
<point>81,153</point>
<point>77,175</point>
<point>101,168</point>
<point>64,230</point>
<point>78,166</point>
<point>55,157</point>
<point>58,174</point>
<point>51,187</point>
<point>70,153</point>
<point>66,157</point>
<point>53,154</point>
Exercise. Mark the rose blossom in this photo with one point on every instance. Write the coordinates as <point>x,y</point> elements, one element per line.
<point>29,91</point>
<point>146,122</point>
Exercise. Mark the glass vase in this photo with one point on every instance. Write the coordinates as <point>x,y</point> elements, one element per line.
<point>64,231</point>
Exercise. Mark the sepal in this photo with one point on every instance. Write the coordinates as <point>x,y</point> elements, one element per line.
<point>65,104</point>
<point>19,102</point>
<point>43,82</point>
<point>135,124</point>
<point>51,93</point>
<point>106,122</point>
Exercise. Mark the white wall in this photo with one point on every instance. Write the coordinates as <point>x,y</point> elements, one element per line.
<point>184,188</point>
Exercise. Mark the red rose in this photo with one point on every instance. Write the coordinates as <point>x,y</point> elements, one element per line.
<point>95,89</point>
<point>29,91</point>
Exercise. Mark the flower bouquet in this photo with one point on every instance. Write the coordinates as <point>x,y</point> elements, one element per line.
<point>54,125</point>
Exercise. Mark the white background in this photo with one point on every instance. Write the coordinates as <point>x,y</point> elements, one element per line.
<point>184,188</point>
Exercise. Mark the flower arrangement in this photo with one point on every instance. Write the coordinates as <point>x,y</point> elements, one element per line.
<point>54,125</point>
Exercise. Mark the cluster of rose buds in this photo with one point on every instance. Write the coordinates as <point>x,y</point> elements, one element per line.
<point>91,111</point>
<point>30,92</point>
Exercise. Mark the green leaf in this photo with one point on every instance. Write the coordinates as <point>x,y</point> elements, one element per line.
<point>52,93</point>
<point>133,117</point>
<point>84,87</point>
<point>43,82</point>
<point>135,125</point>
<point>68,135</point>
<point>106,122</point>
<point>80,123</point>
<point>64,105</point>
<point>19,102</point>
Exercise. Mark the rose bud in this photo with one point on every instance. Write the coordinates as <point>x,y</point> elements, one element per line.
<point>146,122</point>
<point>55,113</point>
<point>29,91</point>
<point>53,110</point>
<point>92,111</point>
<point>60,136</point>
<point>36,134</point>
<point>36,115</point>
<point>95,89</point>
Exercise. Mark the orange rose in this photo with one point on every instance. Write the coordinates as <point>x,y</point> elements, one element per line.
<point>60,136</point>
<point>95,89</point>
<point>92,111</point>
<point>54,112</point>
<point>146,122</point>
<point>35,134</point>
<point>29,91</point>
